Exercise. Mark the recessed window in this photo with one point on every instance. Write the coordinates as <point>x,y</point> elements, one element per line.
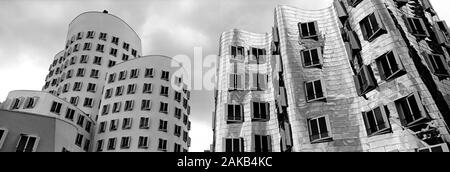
<point>73,60</point>
<point>144,123</point>
<point>80,121</point>
<point>100,48</point>
<point>185,119</point>
<point>257,55</point>
<point>177,113</point>
<point>319,129</point>
<point>87,144</point>
<point>88,126</point>
<point>162,145</point>
<point>129,105</point>
<point>70,113</point>
<point>177,147</point>
<point>79,140</point>
<point>146,105</point>
<point>90,34</point>
<point>185,136</point>
<point>87,46</point>
<point>149,73</point>
<point>165,75</point>
<point>134,73</point>
<point>94,73</point>
<point>314,91</point>
<point>177,131</point>
<point>102,127</point>
<point>263,143</point>
<point>74,100</point>
<point>84,59</point>
<point>377,121</point>
<point>3,134</point>
<point>132,88</point>
<point>438,65</point>
<point>105,110</point>
<point>416,27</point>
<point>111,63</point>
<point>236,81</point>
<point>234,144</point>
<point>77,86</point>
<point>127,123</point>
<point>143,142</point>
<point>113,52</point>
<point>80,35</point>
<point>115,40</point>
<point>365,81</point>
<point>125,143</point>
<point>80,72</point>
<point>112,78</point>
<point>162,126</point>
<point>372,27</point>
<point>99,145</point>
<point>308,30</point>
<point>235,113</point>
<point>125,57</point>
<point>114,125</point>
<point>411,110</point>
<point>312,57</point>
<point>31,102</point>
<point>260,111</point>
<point>119,90</point>
<point>122,75</point>
<point>237,52</point>
<point>164,91</point>
<point>163,107</point>
<point>177,96</point>
<point>148,88</point>
<point>27,143</point>
<point>91,88</point>
<point>56,107</point>
<point>126,46</point>
<point>134,52</point>
<point>88,102</point>
<point>103,36</point>
<point>389,66</point>
<point>16,103</point>
<point>76,47</point>
<point>98,60</point>
<point>112,143</point>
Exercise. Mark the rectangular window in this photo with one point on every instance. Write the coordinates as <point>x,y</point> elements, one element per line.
<point>134,73</point>
<point>260,111</point>
<point>86,146</point>
<point>74,101</point>
<point>438,65</point>
<point>129,105</point>
<point>162,126</point>
<point>80,121</point>
<point>237,52</point>
<point>148,88</point>
<point>149,73</point>
<point>88,102</point>
<point>109,93</point>
<point>263,143</point>
<point>91,88</point>
<point>116,107</point>
<point>30,102</point>
<point>389,66</point>
<point>177,96</point>
<point>177,113</point>
<point>134,52</point>
<point>122,75</point>
<point>76,47</point>
<point>80,35</point>
<point>102,127</point>
<point>411,110</point>
<point>27,143</point>
<point>79,140</point>
<point>112,143</point>
<point>112,78</point>
<point>164,91</point>
<point>236,81</point>
<point>125,57</point>
<point>185,119</point>
<point>185,136</point>
<point>416,26</point>
<point>365,81</point>
<point>144,123</point>
<point>90,34</point>
<point>308,30</point>
<point>131,89</point>
<point>111,63</point>
<point>114,125</point>
<point>127,123</point>
<point>3,134</point>
<point>165,75</point>
<point>177,131</point>
<point>87,46</point>
<point>376,121</point>
<point>126,46</point>
<point>234,145</point>
<point>88,126</point>
<point>80,72</point>
<point>163,107</point>
<point>119,90</point>
<point>371,27</point>
<point>146,105</point>
<point>84,59</point>
<point>100,48</point>
<point>312,57</point>
<point>235,113</point>
<point>113,52</point>
<point>103,36</point>
<point>125,143</point>
<point>17,103</point>
<point>259,81</point>
<point>314,91</point>
<point>162,145</point>
<point>77,86</point>
<point>143,142</point>
<point>177,147</point>
<point>98,60</point>
<point>319,129</point>
<point>99,145</point>
<point>257,55</point>
<point>105,110</point>
<point>56,107</point>
<point>115,40</point>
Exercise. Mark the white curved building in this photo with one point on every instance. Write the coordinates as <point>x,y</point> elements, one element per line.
<point>144,107</point>
<point>131,103</point>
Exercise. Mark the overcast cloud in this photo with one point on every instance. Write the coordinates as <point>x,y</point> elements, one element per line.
<point>33,31</point>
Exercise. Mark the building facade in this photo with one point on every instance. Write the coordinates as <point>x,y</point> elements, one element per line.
<point>361,75</point>
<point>101,94</point>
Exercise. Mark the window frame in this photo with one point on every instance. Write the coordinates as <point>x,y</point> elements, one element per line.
<point>322,84</point>
<point>384,117</point>
<point>328,126</point>
<point>319,56</point>
<point>368,20</point>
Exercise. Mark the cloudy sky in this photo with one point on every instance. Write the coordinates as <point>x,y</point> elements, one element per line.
<point>33,31</point>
